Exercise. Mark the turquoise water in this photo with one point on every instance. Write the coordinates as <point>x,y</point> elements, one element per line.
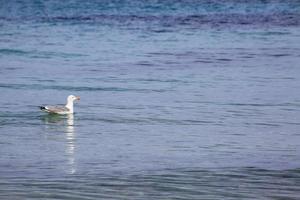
<point>179,99</point>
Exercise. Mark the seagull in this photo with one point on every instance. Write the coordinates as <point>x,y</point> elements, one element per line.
<point>62,110</point>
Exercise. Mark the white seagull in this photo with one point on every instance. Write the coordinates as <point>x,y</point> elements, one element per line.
<point>67,109</point>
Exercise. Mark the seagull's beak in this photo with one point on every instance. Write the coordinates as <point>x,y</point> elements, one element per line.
<point>78,98</point>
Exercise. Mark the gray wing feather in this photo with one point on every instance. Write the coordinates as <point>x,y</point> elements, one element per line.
<point>56,109</point>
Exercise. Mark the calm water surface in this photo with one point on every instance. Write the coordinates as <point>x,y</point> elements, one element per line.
<point>179,99</point>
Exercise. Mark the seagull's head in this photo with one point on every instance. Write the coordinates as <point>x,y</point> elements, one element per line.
<point>72,98</point>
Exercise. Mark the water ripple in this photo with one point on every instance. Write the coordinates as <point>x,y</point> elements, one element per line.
<point>192,21</point>
<point>233,183</point>
<point>76,88</point>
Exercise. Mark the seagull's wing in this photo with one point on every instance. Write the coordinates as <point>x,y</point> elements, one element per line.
<point>55,109</point>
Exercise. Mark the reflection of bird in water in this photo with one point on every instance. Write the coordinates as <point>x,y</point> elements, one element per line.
<point>54,119</point>
<point>70,136</point>
<point>64,123</point>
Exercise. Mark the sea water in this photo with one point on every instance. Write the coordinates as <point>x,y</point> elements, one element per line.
<point>179,99</point>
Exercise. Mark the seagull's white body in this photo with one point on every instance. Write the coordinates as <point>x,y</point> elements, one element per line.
<point>67,109</point>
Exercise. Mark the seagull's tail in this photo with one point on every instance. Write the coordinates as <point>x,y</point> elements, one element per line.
<point>43,108</point>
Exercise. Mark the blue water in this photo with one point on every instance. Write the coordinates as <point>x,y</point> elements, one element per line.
<point>179,99</point>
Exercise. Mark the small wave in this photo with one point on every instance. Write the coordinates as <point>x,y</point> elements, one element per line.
<point>12,51</point>
<point>148,121</point>
<point>192,21</point>
<point>262,104</point>
<point>77,88</point>
<point>38,54</point>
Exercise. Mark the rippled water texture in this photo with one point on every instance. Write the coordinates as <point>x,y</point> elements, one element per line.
<point>179,99</point>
